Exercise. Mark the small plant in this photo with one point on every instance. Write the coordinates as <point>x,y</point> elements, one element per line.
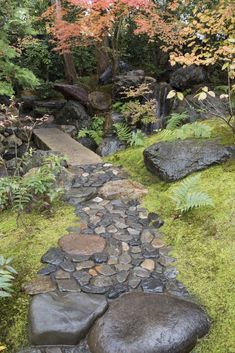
<point>188,196</point>
<point>195,130</point>
<point>123,132</point>
<point>7,273</point>
<point>137,138</point>
<point>132,138</point>
<point>95,131</point>
<point>176,120</point>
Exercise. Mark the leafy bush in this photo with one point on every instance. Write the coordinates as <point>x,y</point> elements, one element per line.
<point>95,131</point>
<point>135,112</point>
<point>33,191</point>
<point>6,277</point>
<point>188,196</point>
<point>175,120</point>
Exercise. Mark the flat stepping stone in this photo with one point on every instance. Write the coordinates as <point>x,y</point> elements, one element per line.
<point>56,319</point>
<point>56,140</point>
<point>77,244</point>
<point>41,284</point>
<point>149,323</point>
<point>122,189</point>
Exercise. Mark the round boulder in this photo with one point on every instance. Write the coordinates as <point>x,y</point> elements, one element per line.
<point>149,323</point>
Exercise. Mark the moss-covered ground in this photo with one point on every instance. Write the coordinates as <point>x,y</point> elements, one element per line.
<point>26,244</point>
<point>203,241</point>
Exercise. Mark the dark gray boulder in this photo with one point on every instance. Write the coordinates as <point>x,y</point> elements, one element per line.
<point>149,323</point>
<point>73,113</point>
<point>130,79</point>
<point>186,77</point>
<point>63,319</point>
<point>175,159</point>
<point>110,145</point>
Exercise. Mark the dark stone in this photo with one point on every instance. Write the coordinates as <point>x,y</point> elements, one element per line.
<point>82,277</point>
<point>152,285</point>
<point>81,194</point>
<point>154,220</point>
<point>53,256</point>
<point>117,290</point>
<point>130,79</point>
<point>75,92</point>
<point>94,289</point>
<point>100,100</point>
<point>47,270</point>
<point>186,77</point>
<point>149,323</point>
<point>99,258</point>
<point>67,285</point>
<point>174,160</point>
<point>67,266</point>
<point>73,113</point>
<point>110,145</point>
<point>106,76</point>
<point>164,105</point>
<point>88,142</point>
<point>56,319</point>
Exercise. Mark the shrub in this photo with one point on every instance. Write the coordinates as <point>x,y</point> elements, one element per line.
<point>37,191</point>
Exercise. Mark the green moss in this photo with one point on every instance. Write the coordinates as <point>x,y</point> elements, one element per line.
<point>202,240</point>
<point>26,245</point>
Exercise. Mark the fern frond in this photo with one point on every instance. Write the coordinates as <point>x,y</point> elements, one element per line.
<point>176,119</point>
<point>186,196</point>
<point>123,132</point>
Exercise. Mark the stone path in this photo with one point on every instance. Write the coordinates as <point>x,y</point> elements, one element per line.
<point>115,248</point>
<point>56,140</point>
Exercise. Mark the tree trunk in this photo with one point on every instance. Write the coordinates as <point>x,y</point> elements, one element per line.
<point>69,67</point>
<point>102,56</point>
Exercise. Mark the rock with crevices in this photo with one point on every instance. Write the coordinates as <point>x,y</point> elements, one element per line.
<point>63,319</point>
<point>149,323</point>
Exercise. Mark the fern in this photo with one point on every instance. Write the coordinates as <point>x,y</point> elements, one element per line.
<point>123,132</point>
<point>186,196</point>
<point>95,131</point>
<point>137,138</point>
<point>6,277</point>
<point>176,119</point>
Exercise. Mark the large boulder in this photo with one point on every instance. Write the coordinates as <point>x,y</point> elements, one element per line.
<point>186,77</point>
<point>63,319</point>
<point>149,323</point>
<point>130,79</point>
<point>110,145</point>
<point>73,113</point>
<point>74,92</point>
<point>99,100</point>
<point>175,159</point>
<point>164,105</point>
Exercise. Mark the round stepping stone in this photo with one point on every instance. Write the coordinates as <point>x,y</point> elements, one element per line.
<point>149,323</point>
<point>77,244</point>
<point>56,319</point>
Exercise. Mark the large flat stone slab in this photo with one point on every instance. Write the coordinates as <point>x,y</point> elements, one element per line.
<point>123,189</point>
<point>175,159</point>
<point>56,140</point>
<point>63,319</point>
<point>77,244</point>
<point>149,323</point>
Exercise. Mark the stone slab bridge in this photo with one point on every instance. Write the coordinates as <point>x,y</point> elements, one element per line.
<point>110,286</point>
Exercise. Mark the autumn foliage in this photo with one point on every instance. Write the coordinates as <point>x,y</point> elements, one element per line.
<point>92,21</point>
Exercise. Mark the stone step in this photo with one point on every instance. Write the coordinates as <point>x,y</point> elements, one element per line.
<point>56,140</point>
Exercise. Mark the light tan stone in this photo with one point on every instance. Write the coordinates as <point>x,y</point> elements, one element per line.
<point>158,243</point>
<point>77,244</point>
<point>148,265</point>
<point>41,284</point>
<point>124,189</point>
